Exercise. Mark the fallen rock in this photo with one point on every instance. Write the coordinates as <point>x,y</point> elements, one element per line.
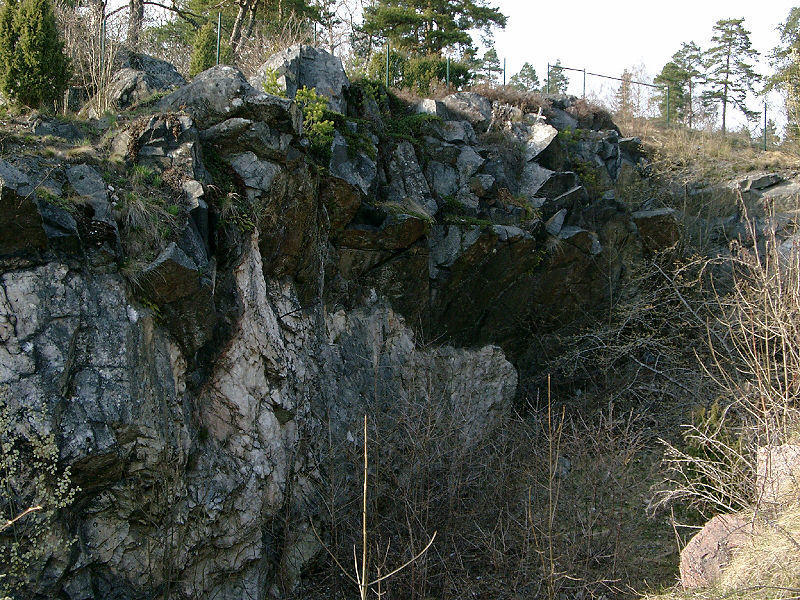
<point>760,182</point>
<point>408,184</point>
<point>778,473</point>
<point>171,276</point>
<point>21,227</point>
<point>305,66</point>
<point>709,551</point>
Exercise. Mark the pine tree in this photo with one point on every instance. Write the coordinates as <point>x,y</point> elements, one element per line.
<point>490,67</point>
<point>35,70</point>
<point>681,75</point>
<point>526,80</point>
<point>730,70</point>
<point>786,61</point>
<point>426,27</point>
<point>557,82</point>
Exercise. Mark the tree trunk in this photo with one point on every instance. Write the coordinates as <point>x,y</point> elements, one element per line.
<point>135,21</point>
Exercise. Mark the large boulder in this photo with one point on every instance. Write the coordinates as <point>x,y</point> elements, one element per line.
<point>305,66</point>
<point>221,93</point>
<point>138,78</point>
<point>710,550</point>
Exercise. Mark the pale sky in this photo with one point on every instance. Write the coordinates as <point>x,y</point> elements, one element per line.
<point>608,36</point>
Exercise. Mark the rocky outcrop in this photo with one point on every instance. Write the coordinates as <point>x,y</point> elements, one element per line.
<point>192,344</point>
<point>302,66</point>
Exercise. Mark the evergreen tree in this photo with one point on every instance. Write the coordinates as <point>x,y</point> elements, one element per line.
<point>491,70</point>
<point>557,82</point>
<point>623,97</point>
<point>786,61</point>
<point>681,75</point>
<point>204,50</point>
<point>526,80</point>
<point>35,70</point>
<point>730,72</point>
<point>426,27</point>
<point>8,42</point>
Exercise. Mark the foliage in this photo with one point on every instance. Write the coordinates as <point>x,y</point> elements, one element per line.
<point>271,85</point>
<point>35,70</point>
<point>526,80</point>
<point>418,73</point>
<point>491,70</point>
<point>557,81</point>
<point>204,50</point>
<point>316,126</point>
<point>32,490</point>
<point>425,27</point>
<point>786,61</point>
<point>680,75</point>
<point>730,72</point>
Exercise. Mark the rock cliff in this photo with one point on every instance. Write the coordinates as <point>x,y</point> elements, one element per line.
<point>199,300</point>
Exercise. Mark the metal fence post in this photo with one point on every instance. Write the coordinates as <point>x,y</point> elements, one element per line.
<point>219,32</point>
<point>667,106</point>
<point>765,125</point>
<point>504,72</point>
<point>387,64</point>
<point>584,84</point>
<point>448,71</point>
<point>548,78</point>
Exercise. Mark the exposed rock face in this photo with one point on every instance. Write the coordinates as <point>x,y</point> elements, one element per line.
<point>281,303</point>
<point>709,551</point>
<point>305,66</point>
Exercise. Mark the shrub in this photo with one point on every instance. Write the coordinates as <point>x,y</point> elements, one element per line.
<point>316,126</point>
<point>204,52</point>
<point>417,73</point>
<point>35,70</point>
<point>271,85</point>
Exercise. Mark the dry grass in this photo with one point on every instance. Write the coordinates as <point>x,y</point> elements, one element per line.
<point>693,155</point>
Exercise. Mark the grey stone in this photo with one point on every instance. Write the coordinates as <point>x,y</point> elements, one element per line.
<point>658,228</point>
<point>428,106</point>
<point>443,179</point>
<point>222,93</point>
<point>408,183</point>
<point>540,136</point>
<point>305,66</point>
<point>760,182</point>
<point>256,174</point>
<point>171,276</point>
<point>468,163</point>
<point>360,170</point>
<point>482,185</point>
<point>556,222</point>
<point>138,78</point>
<point>458,132</point>
<point>89,184</point>
<point>238,134</point>
<point>472,107</point>
<point>777,474</point>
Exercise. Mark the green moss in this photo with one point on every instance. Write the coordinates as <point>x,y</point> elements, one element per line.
<point>411,127</point>
<point>464,220</point>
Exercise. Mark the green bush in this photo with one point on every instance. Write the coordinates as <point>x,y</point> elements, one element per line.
<point>35,70</point>
<point>204,53</point>
<point>417,73</point>
<point>316,126</point>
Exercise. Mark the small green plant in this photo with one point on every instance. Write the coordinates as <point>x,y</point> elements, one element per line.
<point>33,488</point>
<point>591,177</point>
<point>270,83</point>
<point>316,126</point>
<point>174,209</point>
